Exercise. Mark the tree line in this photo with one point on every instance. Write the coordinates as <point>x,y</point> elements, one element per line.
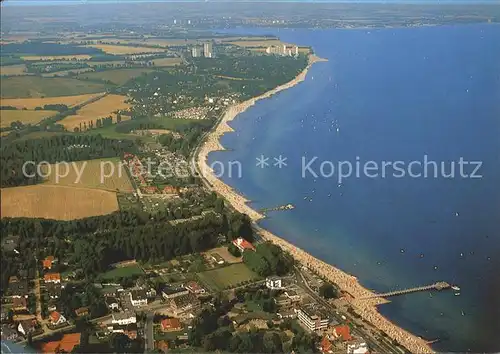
<point>54,149</point>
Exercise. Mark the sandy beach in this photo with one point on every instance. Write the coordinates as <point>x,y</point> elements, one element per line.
<point>347,283</point>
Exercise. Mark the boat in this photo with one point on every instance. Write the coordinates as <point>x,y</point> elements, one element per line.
<point>457,294</point>
<point>456,288</point>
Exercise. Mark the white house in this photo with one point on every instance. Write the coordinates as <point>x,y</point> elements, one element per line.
<point>112,303</point>
<point>138,298</point>
<point>123,318</point>
<point>274,283</point>
<point>359,347</point>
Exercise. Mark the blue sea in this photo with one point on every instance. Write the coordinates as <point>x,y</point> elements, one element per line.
<point>405,94</point>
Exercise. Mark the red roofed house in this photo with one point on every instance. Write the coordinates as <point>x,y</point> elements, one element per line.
<point>194,287</point>
<point>47,262</point>
<point>170,324</point>
<point>169,190</point>
<point>56,318</point>
<point>243,244</point>
<point>326,345</point>
<point>52,278</point>
<point>342,332</point>
<point>67,343</point>
<point>150,190</point>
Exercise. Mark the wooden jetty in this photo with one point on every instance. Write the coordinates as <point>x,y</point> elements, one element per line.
<point>442,285</point>
<point>278,208</point>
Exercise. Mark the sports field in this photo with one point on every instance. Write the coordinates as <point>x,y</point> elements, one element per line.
<point>36,86</point>
<point>227,277</point>
<point>32,103</point>
<point>99,109</point>
<point>8,116</point>
<point>123,49</point>
<point>56,202</point>
<point>116,76</point>
<point>122,272</point>
<point>106,174</point>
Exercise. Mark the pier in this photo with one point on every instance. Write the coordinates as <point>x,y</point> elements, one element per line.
<point>278,208</point>
<point>442,285</point>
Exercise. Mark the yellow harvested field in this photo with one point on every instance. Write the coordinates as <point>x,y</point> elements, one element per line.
<point>167,61</point>
<point>8,116</point>
<point>32,103</point>
<point>121,49</point>
<point>56,202</point>
<point>57,57</point>
<point>99,109</point>
<point>105,174</point>
<point>10,70</point>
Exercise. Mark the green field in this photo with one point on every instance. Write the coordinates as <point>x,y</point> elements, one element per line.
<point>35,86</point>
<point>165,122</point>
<point>116,76</point>
<point>122,272</point>
<point>227,277</point>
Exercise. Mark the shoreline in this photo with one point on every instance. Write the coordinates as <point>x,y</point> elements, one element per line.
<point>348,284</point>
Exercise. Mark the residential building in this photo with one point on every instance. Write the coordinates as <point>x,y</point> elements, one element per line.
<point>217,258</point>
<point>181,305</point>
<point>17,287</point>
<point>287,314</point>
<point>56,319</point>
<point>48,262</point>
<point>194,288</point>
<point>138,298</point>
<point>282,301</point>
<point>170,292</point>
<point>66,345</point>
<point>243,244</point>
<point>208,50</point>
<point>293,295</point>
<point>170,325</point>
<point>112,303</point>
<point>196,52</point>
<point>82,311</point>
<point>130,330</point>
<point>358,347</point>
<point>326,345</point>
<point>26,326</point>
<point>161,345</point>
<point>54,290</point>
<point>342,332</point>
<point>19,304</point>
<point>52,278</point>
<point>313,317</point>
<point>274,283</point>
<point>123,318</point>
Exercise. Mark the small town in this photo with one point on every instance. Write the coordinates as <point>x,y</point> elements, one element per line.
<point>159,306</point>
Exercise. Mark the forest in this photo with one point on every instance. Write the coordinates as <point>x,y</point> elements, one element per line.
<point>54,149</point>
<point>92,244</point>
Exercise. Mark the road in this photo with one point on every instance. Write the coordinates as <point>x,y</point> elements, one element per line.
<point>380,346</point>
<point>148,333</point>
